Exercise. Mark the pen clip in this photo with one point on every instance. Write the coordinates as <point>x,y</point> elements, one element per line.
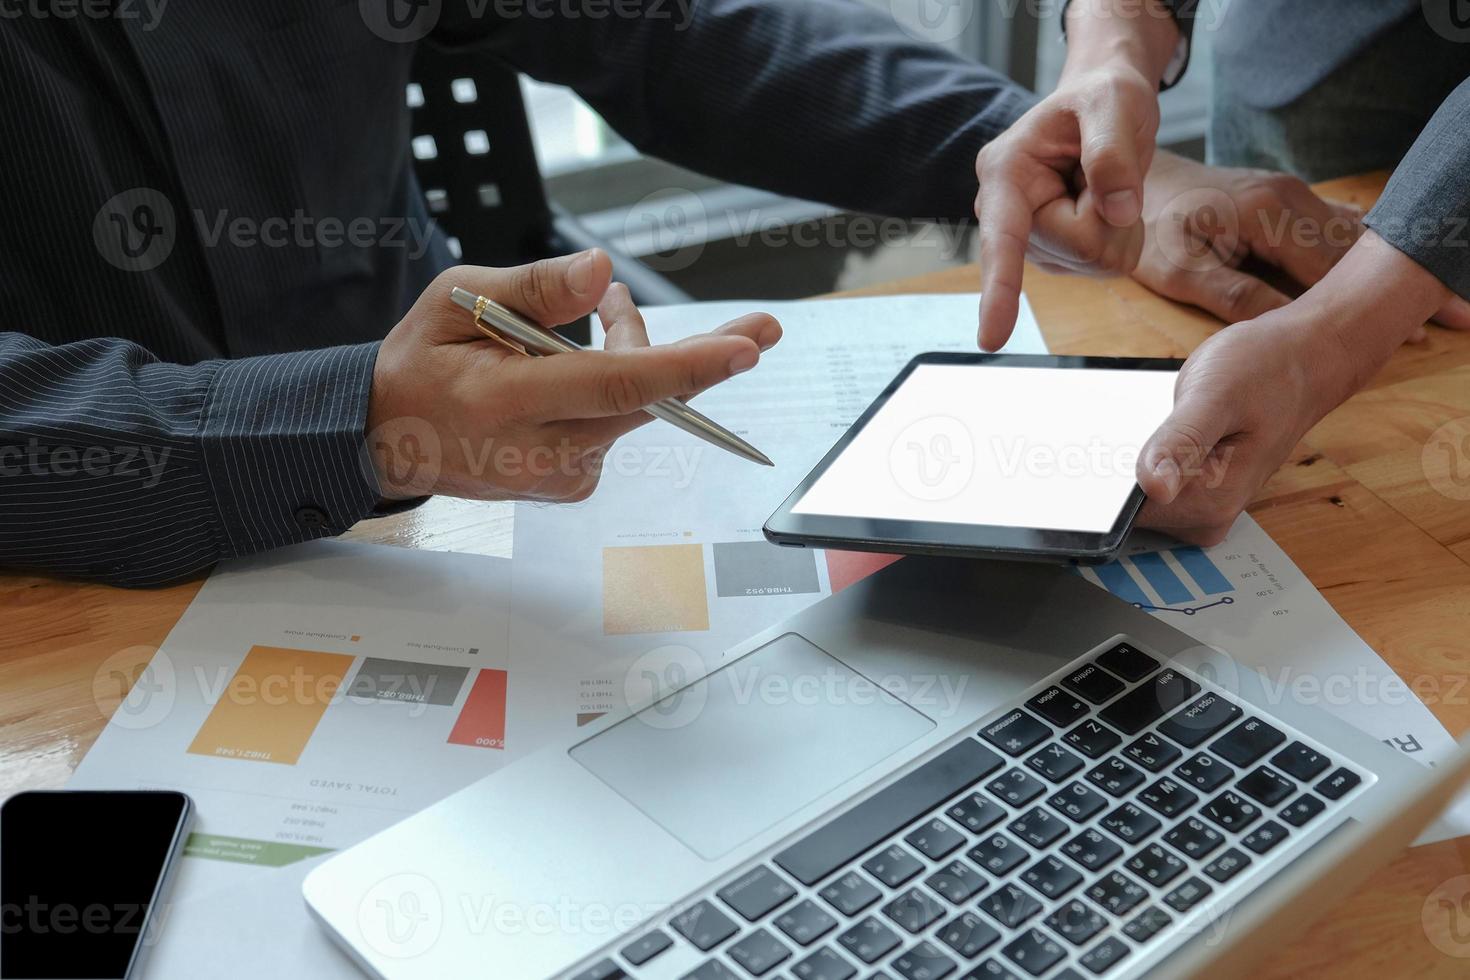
<point>481,303</point>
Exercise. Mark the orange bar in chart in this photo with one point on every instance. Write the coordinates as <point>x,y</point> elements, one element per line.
<point>654,589</point>
<point>482,719</point>
<point>272,705</point>
<point>846,567</point>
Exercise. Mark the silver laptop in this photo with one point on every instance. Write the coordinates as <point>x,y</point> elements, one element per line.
<point>953,769</point>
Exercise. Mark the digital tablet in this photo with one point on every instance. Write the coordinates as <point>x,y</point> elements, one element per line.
<point>1011,456</point>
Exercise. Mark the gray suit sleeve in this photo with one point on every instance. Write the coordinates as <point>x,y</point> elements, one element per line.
<point>821,99</point>
<point>122,469</point>
<point>1425,210</point>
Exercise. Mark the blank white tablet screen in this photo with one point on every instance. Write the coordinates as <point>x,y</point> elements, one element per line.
<point>1047,448</point>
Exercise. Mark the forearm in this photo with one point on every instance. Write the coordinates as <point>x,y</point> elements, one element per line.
<point>822,99</point>
<point>1362,311</point>
<point>122,469</point>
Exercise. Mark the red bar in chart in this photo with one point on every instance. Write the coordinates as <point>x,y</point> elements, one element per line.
<point>482,720</point>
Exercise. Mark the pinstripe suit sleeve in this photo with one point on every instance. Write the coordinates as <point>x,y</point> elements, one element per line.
<point>1425,210</point>
<point>822,99</point>
<point>117,467</point>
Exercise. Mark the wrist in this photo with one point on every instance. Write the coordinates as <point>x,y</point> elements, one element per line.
<point>1362,311</point>
<point>1121,35</point>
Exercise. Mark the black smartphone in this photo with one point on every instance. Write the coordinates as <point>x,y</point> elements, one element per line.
<point>83,876</point>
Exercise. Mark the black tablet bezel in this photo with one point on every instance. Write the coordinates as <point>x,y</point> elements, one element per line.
<point>962,540</point>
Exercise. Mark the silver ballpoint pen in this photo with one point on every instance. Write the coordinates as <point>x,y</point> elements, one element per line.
<point>518,333</point>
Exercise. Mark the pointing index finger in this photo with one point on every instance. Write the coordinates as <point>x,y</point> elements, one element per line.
<point>1005,228</point>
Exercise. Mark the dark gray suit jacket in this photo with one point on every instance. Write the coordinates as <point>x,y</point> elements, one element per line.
<point>208,222</point>
<point>1274,51</point>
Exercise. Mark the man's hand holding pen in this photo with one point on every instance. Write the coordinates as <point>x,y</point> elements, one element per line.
<point>534,428</point>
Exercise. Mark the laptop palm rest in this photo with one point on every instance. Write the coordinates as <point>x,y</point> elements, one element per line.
<point>720,761</point>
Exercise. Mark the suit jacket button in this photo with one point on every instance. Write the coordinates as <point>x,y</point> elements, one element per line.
<point>311,518</point>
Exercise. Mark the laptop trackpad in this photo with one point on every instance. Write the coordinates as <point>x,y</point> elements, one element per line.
<point>732,754</point>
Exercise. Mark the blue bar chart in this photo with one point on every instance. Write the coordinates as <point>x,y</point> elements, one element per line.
<point>1182,580</point>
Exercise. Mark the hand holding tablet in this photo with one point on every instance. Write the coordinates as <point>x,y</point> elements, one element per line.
<point>989,455</point>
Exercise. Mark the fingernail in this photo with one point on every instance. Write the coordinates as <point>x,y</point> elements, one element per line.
<point>744,361</point>
<point>1168,471</point>
<point>1121,207</point>
<point>579,274</point>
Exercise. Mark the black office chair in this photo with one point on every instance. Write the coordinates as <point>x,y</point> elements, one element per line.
<point>477,165</point>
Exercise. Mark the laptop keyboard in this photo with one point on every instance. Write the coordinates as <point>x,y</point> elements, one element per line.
<point>1099,820</point>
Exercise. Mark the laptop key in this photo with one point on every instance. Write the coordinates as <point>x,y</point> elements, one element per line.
<point>1150,701</point>
<point>1264,837</point>
<point>1227,865</point>
<point>1101,958</point>
<point>934,839</point>
<point>1010,905</point>
<point>1300,762</point>
<point>889,810</point>
<point>1204,772</point>
<point>915,910</point>
<point>1054,763</point>
<point>1156,865</point>
<point>1130,824</point>
<point>1114,776</point>
<point>1247,742</point>
<point>1092,739</point>
<point>968,935</point>
<point>602,970</point>
<point>711,970</point>
<point>869,940</point>
<point>1034,951</point>
<point>1207,715</point>
<point>1077,802</point>
<point>997,854</point>
<point>976,813</point>
<point>1194,838</point>
<point>894,865</point>
<point>924,962</point>
<point>1187,895</point>
<point>1117,893</point>
<point>824,964</point>
<point>1037,827</point>
<point>991,970</point>
<point>704,925</point>
<point>1231,811</point>
<point>851,893</point>
<point>1302,809</point>
<point>758,953</point>
<point>1075,922</point>
<point>1167,797</point>
<point>956,882</point>
<point>1052,877</point>
<point>1015,732</point>
<point>1266,786</point>
<point>645,948</point>
<point>1146,924</point>
<point>1058,707</point>
<point>805,922</point>
<point>1092,683</point>
<point>1339,784</point>
<point>1016,787</point>
<point>1152,752</point>
<point>1128,662</point>
<point>756,892</point>
<point>1092,850</point>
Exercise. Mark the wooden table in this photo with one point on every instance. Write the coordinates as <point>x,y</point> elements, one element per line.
<point>1353,508</point>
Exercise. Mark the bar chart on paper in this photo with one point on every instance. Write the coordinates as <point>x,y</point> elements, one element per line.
<point>1184,580</point>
